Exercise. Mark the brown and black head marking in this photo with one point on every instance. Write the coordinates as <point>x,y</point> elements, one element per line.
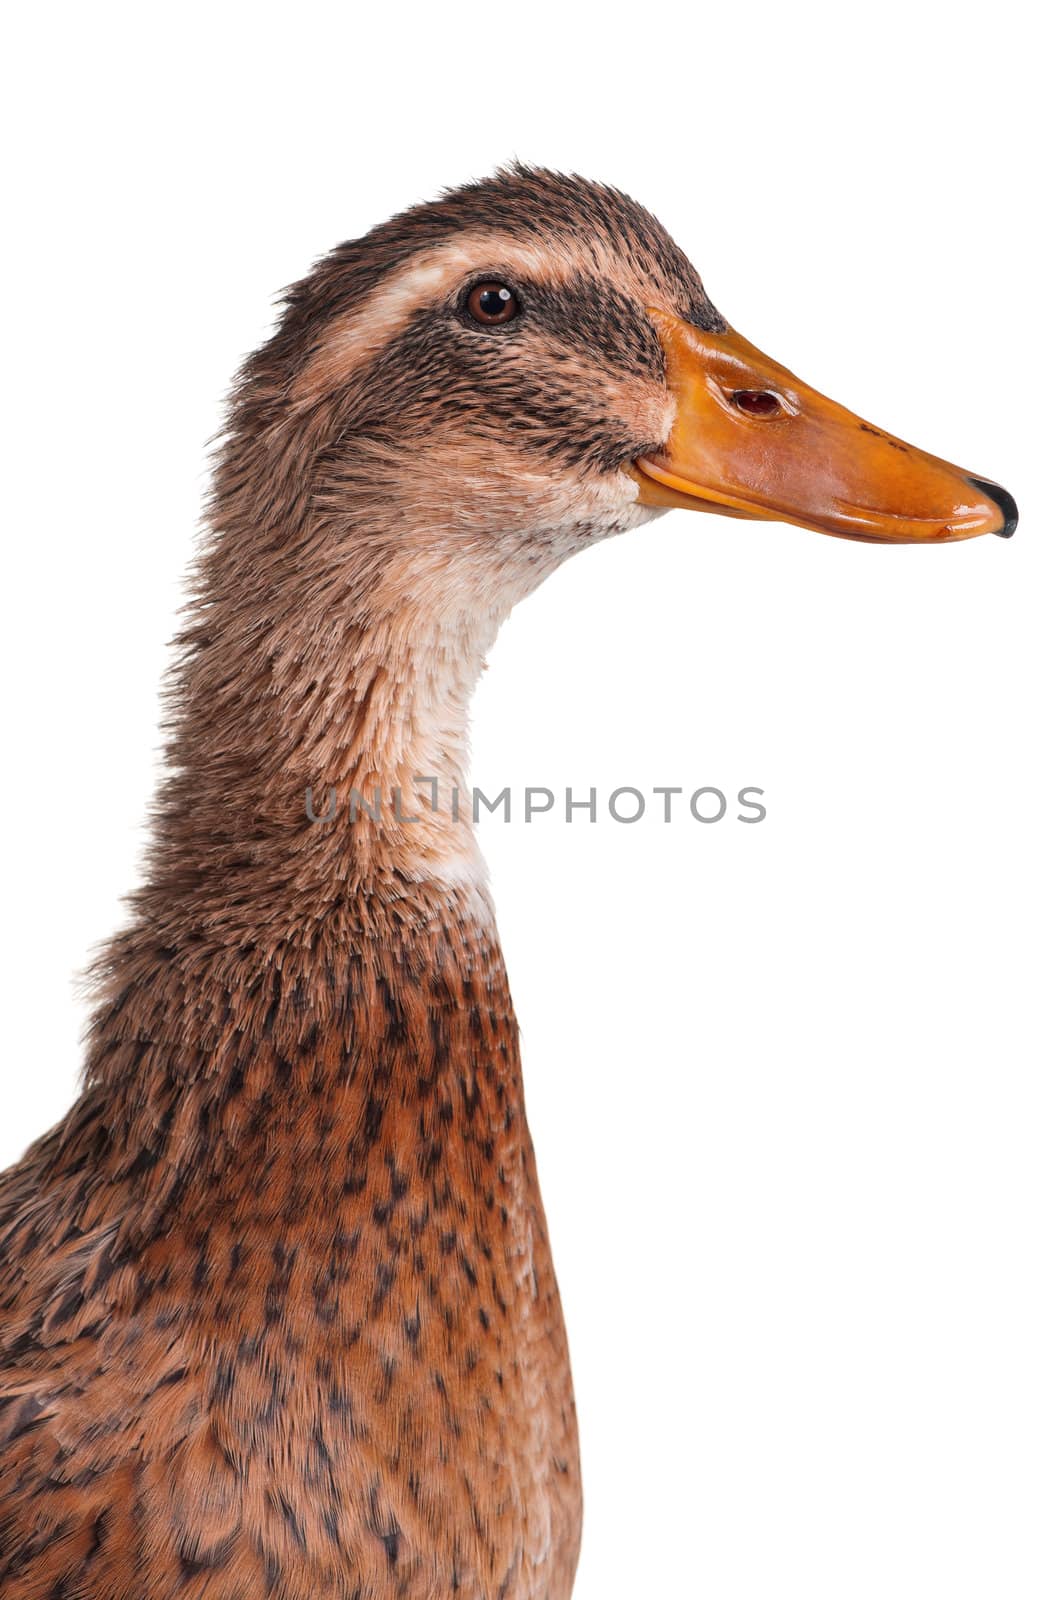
<point>376,345</point>
<point>584,261</point>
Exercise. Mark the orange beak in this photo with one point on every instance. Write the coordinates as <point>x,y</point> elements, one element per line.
<point>751,440</point>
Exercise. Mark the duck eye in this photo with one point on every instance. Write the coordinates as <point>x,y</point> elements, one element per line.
<point>492,303</point>
<point>757,402</point>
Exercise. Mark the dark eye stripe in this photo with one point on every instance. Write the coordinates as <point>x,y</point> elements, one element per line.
<point>593,314</point>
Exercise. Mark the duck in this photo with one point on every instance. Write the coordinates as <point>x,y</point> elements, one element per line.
<point>277,1310</point>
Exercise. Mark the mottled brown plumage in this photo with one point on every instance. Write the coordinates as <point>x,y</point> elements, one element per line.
<point>278,1312</point>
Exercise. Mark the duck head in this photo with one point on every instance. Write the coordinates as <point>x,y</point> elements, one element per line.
<point>533,355</point>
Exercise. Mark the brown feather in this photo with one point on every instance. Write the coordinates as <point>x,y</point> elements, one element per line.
<point>279,1314</point>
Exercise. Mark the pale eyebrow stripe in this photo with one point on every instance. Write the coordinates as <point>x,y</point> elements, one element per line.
<point>361,334</point>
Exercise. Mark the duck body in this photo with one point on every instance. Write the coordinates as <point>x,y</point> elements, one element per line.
<point>300,1336</point>
<point>277,1311</point>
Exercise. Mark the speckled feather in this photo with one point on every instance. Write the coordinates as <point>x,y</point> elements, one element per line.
<point>278,1310</point>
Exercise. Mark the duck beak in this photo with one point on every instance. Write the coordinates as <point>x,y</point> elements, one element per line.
<point>751,440</point>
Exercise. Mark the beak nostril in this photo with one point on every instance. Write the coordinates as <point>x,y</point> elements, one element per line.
<point>757,402</point>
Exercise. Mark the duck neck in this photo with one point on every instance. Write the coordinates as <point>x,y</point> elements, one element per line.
<point>330,965</point>
<point>319,756</point>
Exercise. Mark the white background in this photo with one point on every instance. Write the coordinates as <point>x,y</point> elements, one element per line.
<point>795,1087</point>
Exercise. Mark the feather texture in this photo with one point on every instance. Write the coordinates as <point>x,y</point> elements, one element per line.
<point>278,1311</point>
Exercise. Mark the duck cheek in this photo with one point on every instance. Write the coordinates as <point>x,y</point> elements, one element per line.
<point>562,513</point>
<point>496,502</point>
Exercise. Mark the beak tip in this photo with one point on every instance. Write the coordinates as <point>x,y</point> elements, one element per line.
<point>1005,501</point>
